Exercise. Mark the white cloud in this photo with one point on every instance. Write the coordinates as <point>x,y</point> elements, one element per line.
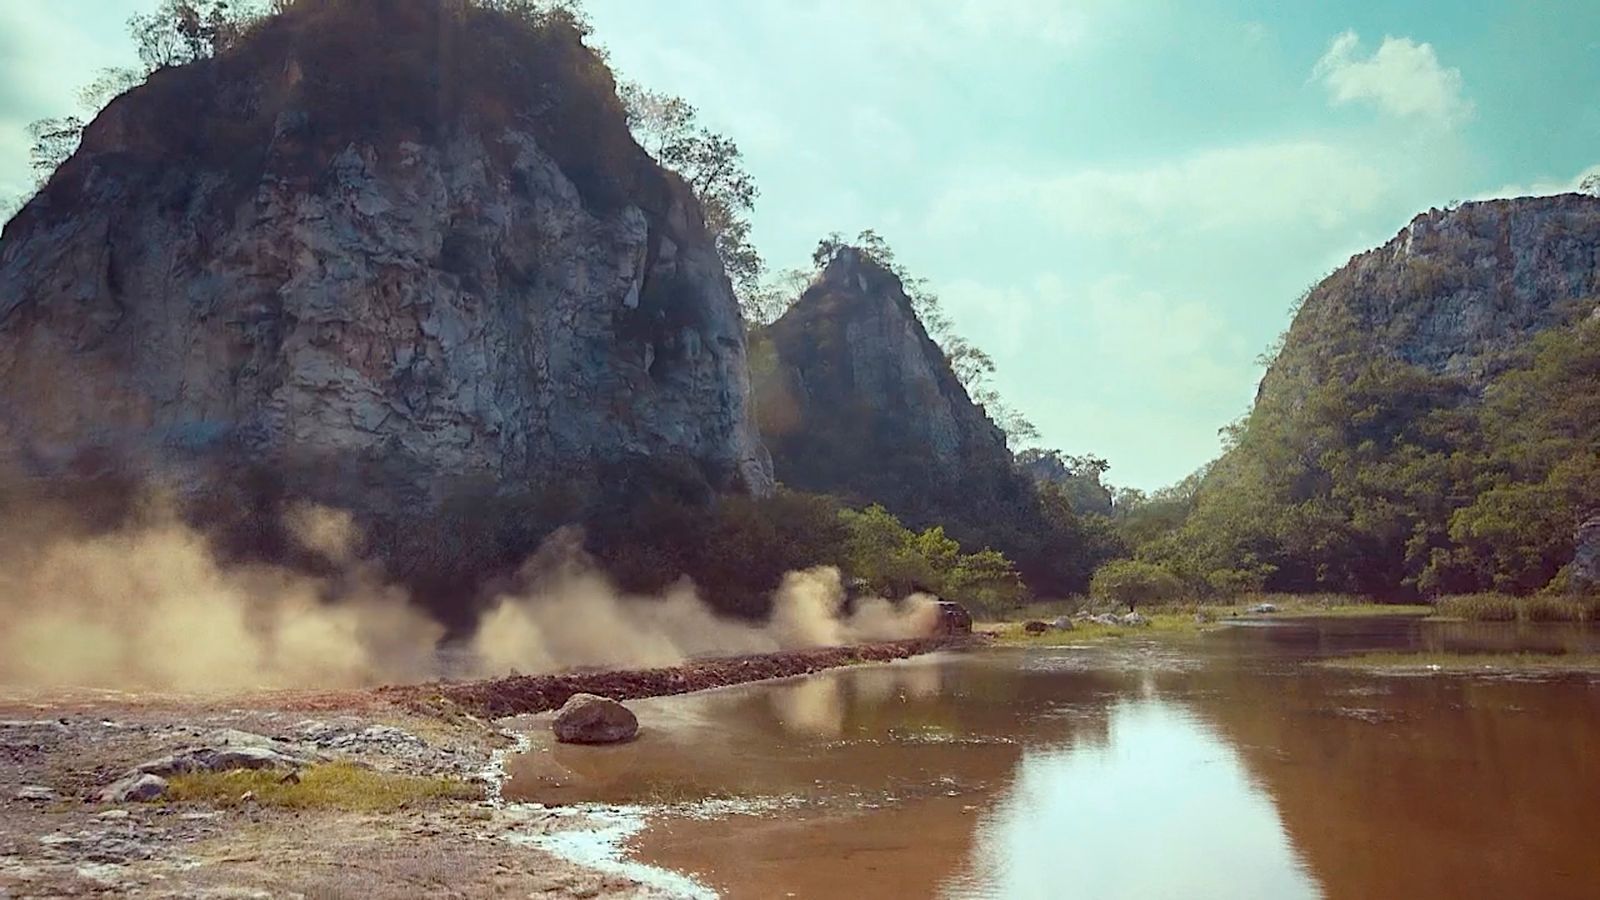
<point>1542,187</point>
<point>1404,78</point>
<point>1250,186</point>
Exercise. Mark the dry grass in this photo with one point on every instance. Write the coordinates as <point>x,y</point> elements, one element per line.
<point>330,786</point>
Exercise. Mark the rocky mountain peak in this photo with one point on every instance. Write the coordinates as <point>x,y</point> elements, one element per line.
<point>385,252</point>
<point>1459,290</point>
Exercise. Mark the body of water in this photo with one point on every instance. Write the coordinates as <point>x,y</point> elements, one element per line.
<point>1227,766</point>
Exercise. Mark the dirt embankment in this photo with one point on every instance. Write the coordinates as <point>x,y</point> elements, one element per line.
<point>523,694</point>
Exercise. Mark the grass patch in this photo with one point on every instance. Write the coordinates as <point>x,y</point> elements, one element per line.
<point>1464,663</point>
<point>1506,608</point>
<point>337,785</point>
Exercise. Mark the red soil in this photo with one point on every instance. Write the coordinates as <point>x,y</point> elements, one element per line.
<point>520,694</point>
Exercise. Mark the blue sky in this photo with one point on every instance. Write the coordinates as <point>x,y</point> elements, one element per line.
<point>1119,200</point>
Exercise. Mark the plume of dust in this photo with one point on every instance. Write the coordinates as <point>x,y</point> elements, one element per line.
<point>151,606</point>
<point>568,614</point>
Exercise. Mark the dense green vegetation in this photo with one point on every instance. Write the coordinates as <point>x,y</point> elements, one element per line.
<point>1132,581</point>
<point>739,548</point>
<point>1371,476</point>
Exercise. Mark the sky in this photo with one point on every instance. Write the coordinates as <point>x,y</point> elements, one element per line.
<point>1120,201</point>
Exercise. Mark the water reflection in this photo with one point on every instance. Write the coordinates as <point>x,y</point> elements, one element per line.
<point>1162,809</point>
<point>1229,768</point>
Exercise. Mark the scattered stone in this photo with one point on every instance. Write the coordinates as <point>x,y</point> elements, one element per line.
<point>1035,627</point>
<point>247,797</point>
<point>135,787</point>
<point>36,793</point>
<point>112,814</point>
<point>1262,609</point>
<point>588,719</point>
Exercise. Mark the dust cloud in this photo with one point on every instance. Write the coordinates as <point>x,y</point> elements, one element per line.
<point>152,606</point>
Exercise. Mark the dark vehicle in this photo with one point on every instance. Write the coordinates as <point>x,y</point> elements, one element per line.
<point>953,619</point>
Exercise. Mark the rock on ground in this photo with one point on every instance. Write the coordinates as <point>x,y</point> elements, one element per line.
<point>588,719</point>
<point>135,787</point>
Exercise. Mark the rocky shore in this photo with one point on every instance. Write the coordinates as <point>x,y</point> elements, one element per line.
<point>386,793</point>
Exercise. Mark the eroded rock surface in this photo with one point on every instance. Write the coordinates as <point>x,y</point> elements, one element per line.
<point>1459,291</point>
<point>377,304</point>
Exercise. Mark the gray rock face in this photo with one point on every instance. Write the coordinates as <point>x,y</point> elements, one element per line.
<point>1459,290</point>
<point>1586,558</point>
<point>853,338</point>
<point>856,400</point>
<point>377,324</point>
<point>588,719</point>
<point>135,787</point>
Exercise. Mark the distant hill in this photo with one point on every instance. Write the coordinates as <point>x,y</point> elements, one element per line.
<point>1432,421</point>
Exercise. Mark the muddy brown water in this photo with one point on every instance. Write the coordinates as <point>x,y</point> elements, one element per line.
<point>1228,766</point>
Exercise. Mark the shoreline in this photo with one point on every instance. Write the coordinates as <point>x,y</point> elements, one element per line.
<point>59,748</point>
<point>515,695</point>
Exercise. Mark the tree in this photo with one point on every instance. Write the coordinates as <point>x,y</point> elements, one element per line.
<point>179,32</point>
<point>668,128</point>
<point>1133,581</point>
<point>53,141</point>
<point>176,33</point>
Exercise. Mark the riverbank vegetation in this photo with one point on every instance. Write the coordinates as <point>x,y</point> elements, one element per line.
<point>1435,663</point>
<point>1362,474</point>
<point>1507,608</point>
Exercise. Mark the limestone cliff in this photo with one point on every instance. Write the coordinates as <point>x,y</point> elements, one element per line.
<point>1458,292</point>
<point>857,401</point>
<point>380,250</point>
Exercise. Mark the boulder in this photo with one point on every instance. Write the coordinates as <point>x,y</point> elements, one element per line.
<point>588,719</point>
<point>1262,609</point>
<point>1063,623</point>
<point>1134,620</point>
<point>134,787</point>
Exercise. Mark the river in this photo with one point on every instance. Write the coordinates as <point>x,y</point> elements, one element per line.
<point>1229,765</point>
